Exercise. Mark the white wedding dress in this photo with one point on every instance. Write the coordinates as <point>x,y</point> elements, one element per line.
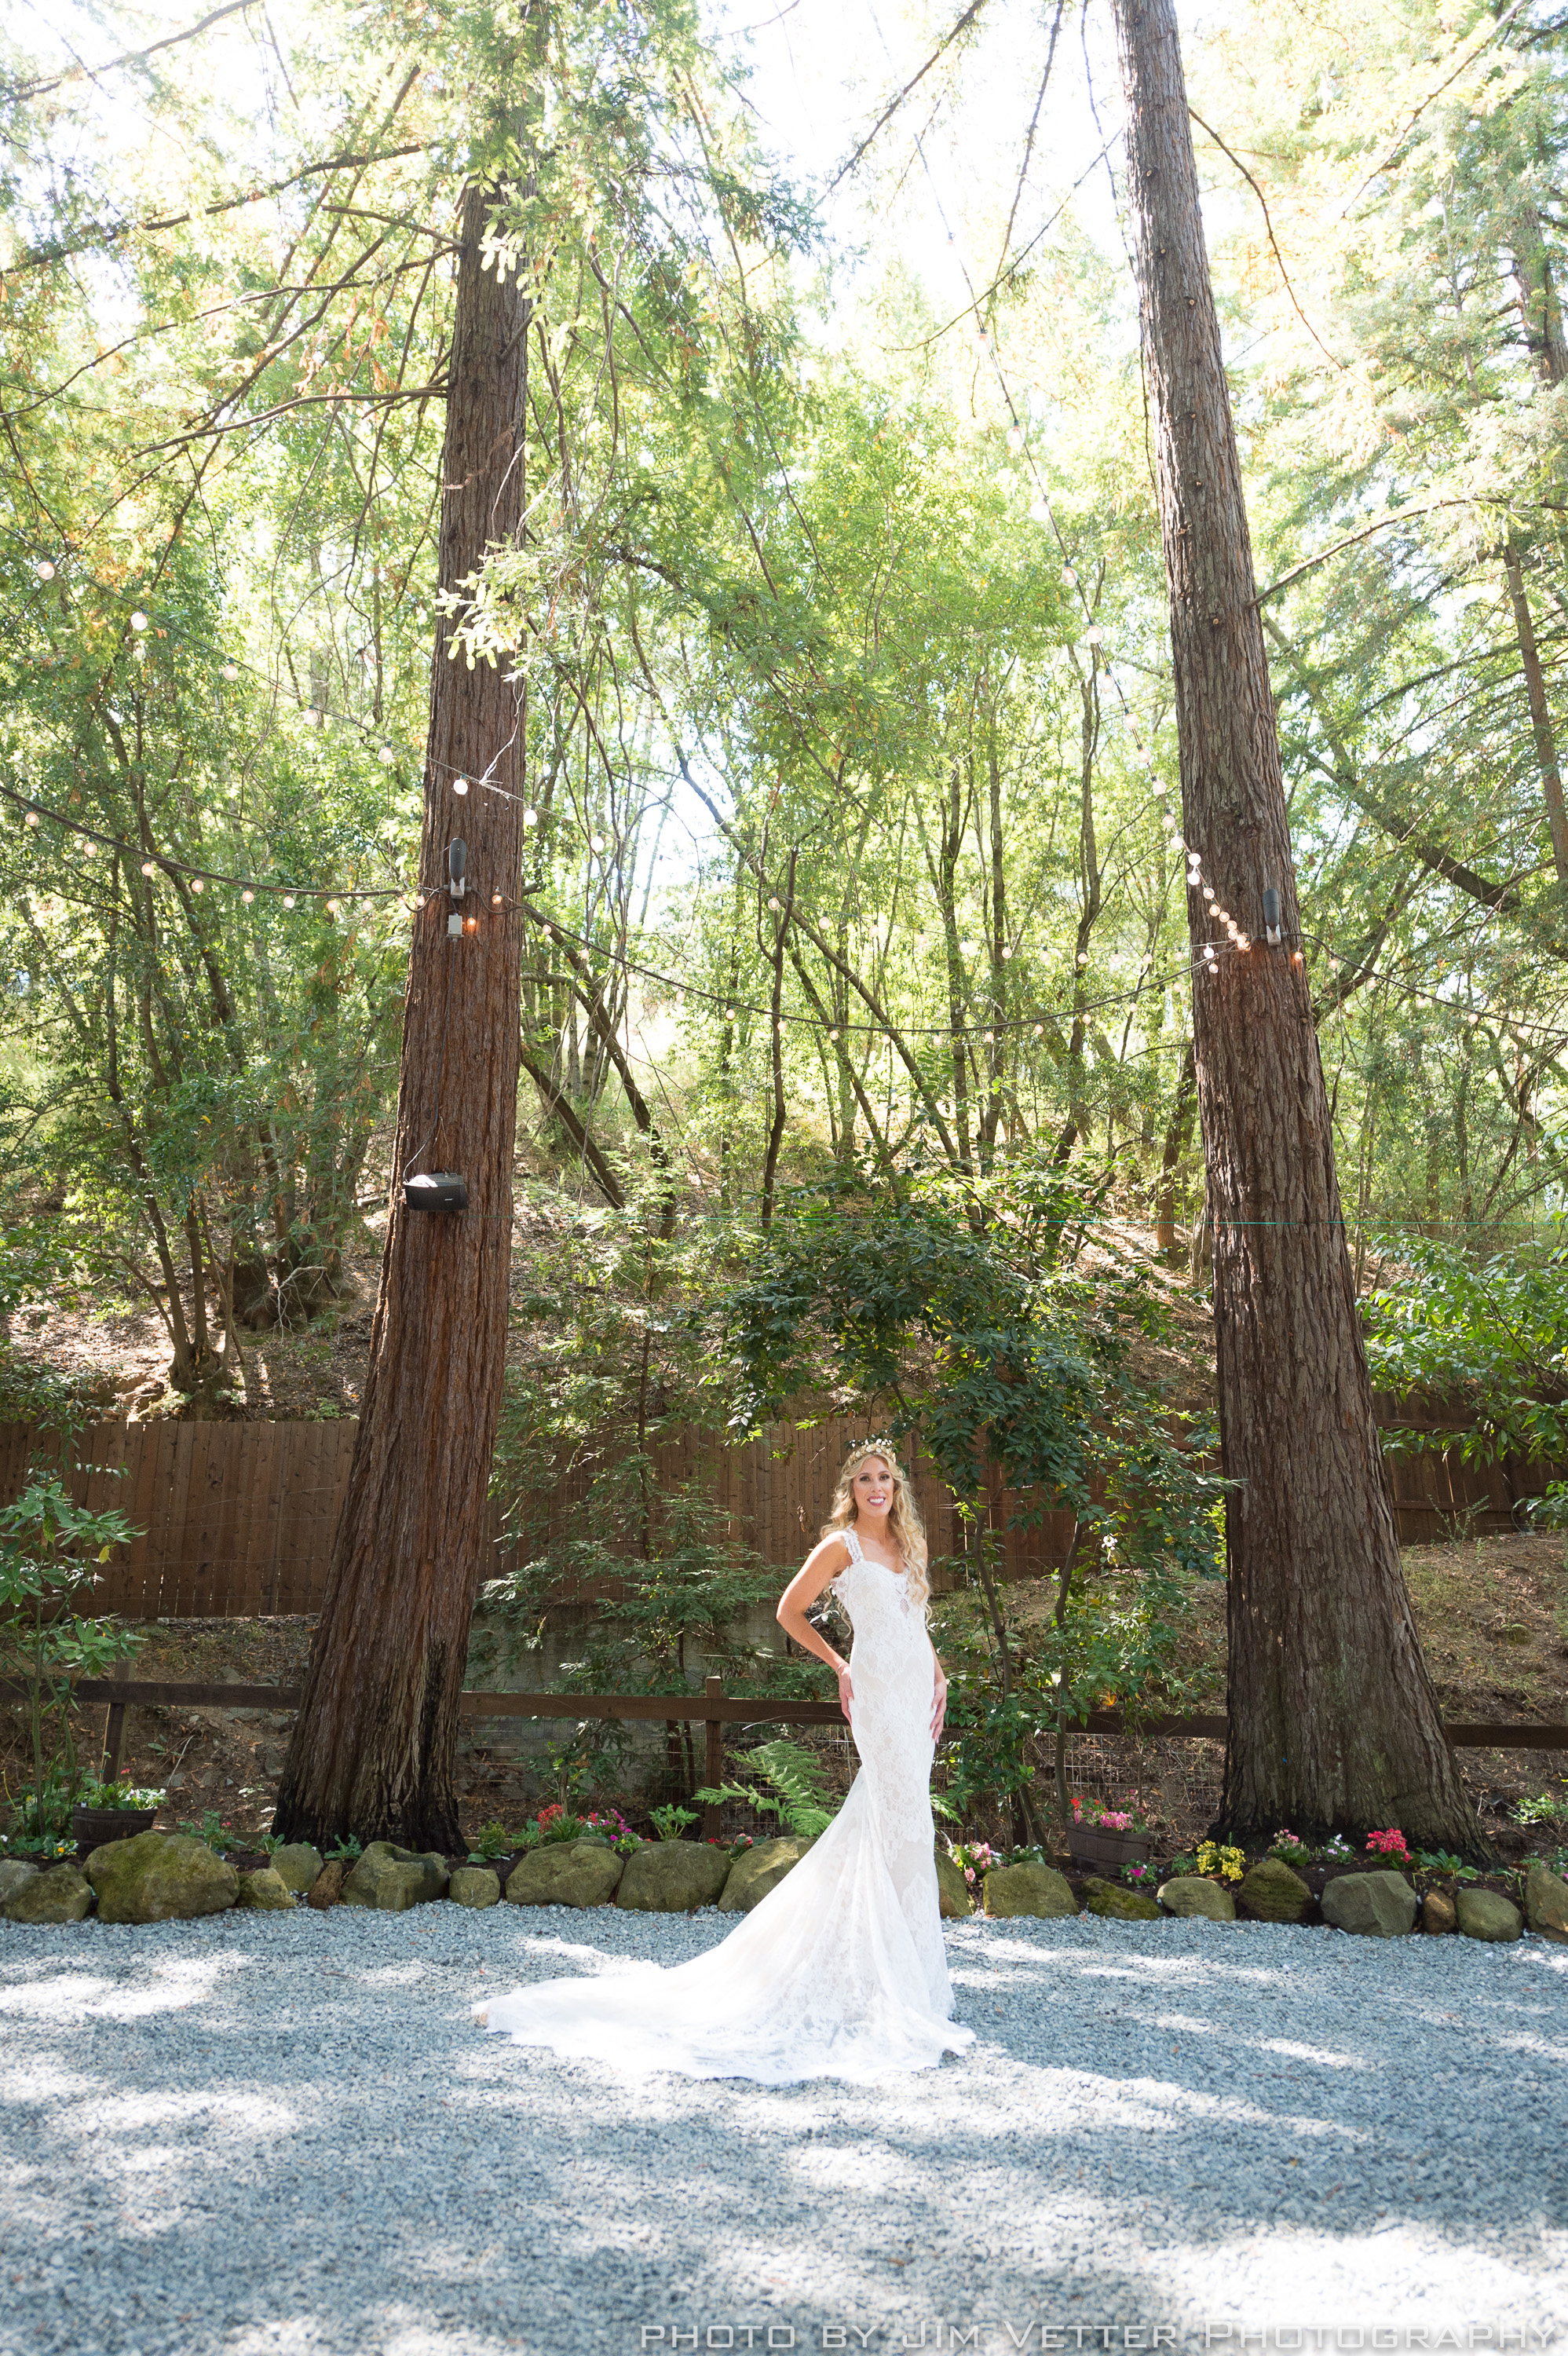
<point>839,1972</point>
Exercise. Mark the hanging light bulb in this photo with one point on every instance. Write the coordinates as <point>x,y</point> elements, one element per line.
<point>197,885</point>
<point>332,907</point>
<point>773,904</point>
<point>460,785</point>
<point>419,899</point>
<point>248,897</point>
<point>44,569</point>
<point>530,817</point>
<point>32,817</point>
<point>1095,634</point>
<point>288,899</point>
<point>494,899</point>
<point>1040,511</point>
<point>386,756</point>
<point>1015,439</point>
<point>470,923</point>
<point>230,670</point>
<point>148,868</point>
<point>138,621</point>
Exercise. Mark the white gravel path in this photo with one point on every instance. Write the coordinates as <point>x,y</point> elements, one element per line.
<point>253,2134</point>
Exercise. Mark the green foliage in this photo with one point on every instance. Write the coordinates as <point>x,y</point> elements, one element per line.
<point>1486,1339</point>
<point>346,1850</point>
<point>670,1822</point>
<point>50,1550</point>
<point>1013,1367</point>
<point>491,1840</point>
<point>91,1793</point>
<point>218,1836</point>
<point>797,1797</point>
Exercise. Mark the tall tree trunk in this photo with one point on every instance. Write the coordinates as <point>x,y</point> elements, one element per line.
<point>375,1741</point>
<point>1333,1720</point>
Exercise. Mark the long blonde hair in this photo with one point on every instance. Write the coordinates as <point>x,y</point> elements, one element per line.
<point>905,1527</point>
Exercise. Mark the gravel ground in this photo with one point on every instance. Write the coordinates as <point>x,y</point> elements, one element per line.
<point>249,2135</point>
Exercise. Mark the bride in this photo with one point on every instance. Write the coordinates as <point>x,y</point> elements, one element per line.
<point>839,1972</point>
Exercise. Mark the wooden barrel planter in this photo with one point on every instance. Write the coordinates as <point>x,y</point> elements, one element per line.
<point>94,1827</point>
<point>1093,1844</point>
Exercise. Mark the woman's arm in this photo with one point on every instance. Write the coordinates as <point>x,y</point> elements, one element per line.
<point>821,1565</point>
<point>938,1696</point>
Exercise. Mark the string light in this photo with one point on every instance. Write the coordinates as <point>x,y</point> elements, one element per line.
<point>288,899</point>
<point>148,868</point>
<point>459,787</point>
<point>32,817</point>
<point>248,897</point>
<point>494,899</point>
<point>138,621</point>
<point>44,569</point>
<point>230,670</point>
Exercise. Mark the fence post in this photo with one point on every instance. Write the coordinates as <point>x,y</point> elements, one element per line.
<point>713,1761</point>
<point>114,1728</point>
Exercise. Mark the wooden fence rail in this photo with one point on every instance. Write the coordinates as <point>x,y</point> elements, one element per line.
<point>715,1706</point>
<point>712,1708</point>
<point>237,1519</point>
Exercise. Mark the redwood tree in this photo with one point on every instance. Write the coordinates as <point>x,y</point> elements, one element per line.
<point>375,1741</point>
<point>1333,1720</point>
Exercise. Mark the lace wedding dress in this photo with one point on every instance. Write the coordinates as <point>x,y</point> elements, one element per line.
<point>839,1972</point>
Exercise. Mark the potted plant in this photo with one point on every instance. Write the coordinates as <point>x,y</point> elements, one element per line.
<point>1114,1836</point>
<point>112,1811</point>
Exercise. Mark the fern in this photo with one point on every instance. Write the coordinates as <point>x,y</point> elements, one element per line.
<point>799,1799</point>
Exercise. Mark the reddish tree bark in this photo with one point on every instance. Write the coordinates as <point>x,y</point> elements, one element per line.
<point>1334,1723</point>
<point>375,1741</point>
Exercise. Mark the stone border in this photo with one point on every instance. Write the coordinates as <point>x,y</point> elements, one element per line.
<point>162,1877</point>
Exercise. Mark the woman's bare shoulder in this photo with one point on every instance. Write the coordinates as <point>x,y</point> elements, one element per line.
<point>827,1558</point>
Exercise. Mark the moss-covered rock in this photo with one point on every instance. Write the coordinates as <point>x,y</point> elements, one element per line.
<point>1270,1892</point>
<point>1036,1889</point>
<point>297,1865</point>
<point>1487,1914</point>
<point>1545,1899</point>
<point>14,1872</point>
<point>391,1879</point>
<point>565,1873</point>
<point>1190,1894</point>
<point>160,1877</point>
<point>952,1895</point>
<point>1116,1903</point>
<point>59,1895</point>
<point>1370,1905</point>
<point>761,1869</point>
<point>673,1878</point>
<point>266,1891</point>
<point>475,1885</point>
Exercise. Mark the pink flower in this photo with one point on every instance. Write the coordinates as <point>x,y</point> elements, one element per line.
<point>1388,1844</point>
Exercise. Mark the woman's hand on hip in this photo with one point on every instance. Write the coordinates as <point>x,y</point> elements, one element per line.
<point>846,1691</point>
<point>938,1707</point>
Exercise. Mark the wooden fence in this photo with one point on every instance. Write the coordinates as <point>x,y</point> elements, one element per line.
<point>237,1518</point>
